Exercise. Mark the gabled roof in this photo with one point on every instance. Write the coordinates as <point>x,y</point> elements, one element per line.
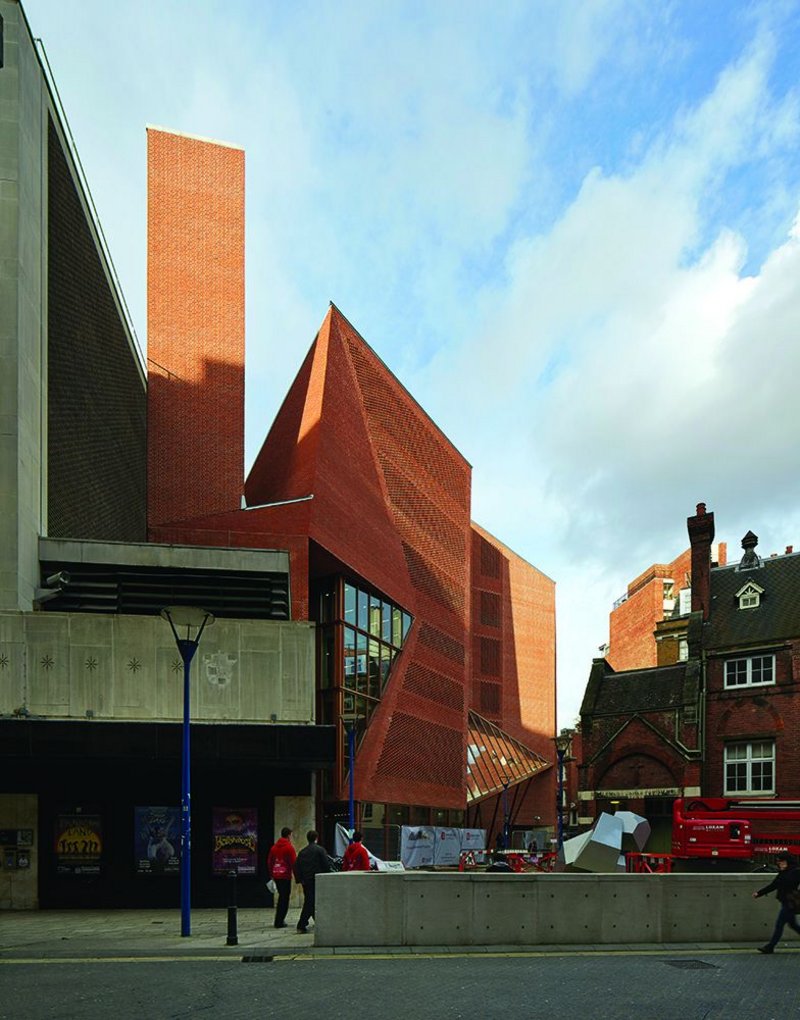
<point>776,618</point>
<point>637,690</point>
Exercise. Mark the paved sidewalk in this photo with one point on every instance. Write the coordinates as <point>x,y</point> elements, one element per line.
<point>104,933</point>
<point>113,934</point>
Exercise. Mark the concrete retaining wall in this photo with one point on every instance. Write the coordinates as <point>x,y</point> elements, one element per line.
<point>432,909</point>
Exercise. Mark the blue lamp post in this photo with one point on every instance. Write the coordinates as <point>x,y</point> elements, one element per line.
<point>563,743</point>
<point>506,826</point>
<point>350,721</point>
<point>194,621</point>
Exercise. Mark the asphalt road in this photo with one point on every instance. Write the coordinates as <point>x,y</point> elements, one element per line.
<point>619,986</point>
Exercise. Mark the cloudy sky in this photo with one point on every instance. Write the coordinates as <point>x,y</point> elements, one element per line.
<point>572,229</point>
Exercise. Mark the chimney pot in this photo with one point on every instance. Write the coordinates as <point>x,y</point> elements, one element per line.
<point>701,509</point>
<point>789,549</point>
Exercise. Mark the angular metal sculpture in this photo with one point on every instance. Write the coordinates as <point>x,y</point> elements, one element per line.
<point>635,831</point>
<point>571,850</point>
<point>602,849</point>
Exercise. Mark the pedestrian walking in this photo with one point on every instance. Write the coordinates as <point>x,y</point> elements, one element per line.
<point>280,864</point>
<point>785,886</point>
<point>356,857</point>
<point>311,861</point>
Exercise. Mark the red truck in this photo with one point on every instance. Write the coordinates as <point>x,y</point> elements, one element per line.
<point>719,830</point>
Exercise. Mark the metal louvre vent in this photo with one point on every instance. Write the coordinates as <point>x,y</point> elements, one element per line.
<point>144,591</point>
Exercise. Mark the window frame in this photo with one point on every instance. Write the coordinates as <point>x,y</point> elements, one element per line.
<point>748,682</point>
<point>731,790</point>
<point>749,595</point>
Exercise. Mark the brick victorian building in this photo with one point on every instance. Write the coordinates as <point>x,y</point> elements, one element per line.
<point>716,722</point>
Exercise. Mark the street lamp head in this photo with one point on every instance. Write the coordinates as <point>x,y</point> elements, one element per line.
<point>193,618</point>
<point>563,741</point>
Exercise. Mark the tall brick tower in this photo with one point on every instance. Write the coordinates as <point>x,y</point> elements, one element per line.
<point>195,326</point>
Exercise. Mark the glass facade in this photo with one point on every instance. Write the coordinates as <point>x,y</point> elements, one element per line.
<point>361,635</point>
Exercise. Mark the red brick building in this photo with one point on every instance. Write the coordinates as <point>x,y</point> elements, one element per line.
<point>432,634</point>
<point>715,723</point>
<point>660,593</point>
<point>752,677</point>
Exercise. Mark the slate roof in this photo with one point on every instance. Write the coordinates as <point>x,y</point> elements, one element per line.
<point>778,616</point>
<point>641,690</point>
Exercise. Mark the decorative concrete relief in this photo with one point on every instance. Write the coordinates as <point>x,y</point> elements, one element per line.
<point>219,668</point>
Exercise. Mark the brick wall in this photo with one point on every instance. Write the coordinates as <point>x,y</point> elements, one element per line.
<point>96,406</point>
<point>513,643</point>
<point>750,713</point>
<point>195,322</point>
<point>631,625</point>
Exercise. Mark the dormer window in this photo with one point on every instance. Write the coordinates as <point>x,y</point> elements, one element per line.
<point>749,595</point>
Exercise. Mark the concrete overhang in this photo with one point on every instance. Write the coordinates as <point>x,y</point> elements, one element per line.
<point>150,554</point>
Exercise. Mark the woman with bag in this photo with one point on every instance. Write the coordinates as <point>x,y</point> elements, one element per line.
<point>280,864</point>
<point>786,886</point>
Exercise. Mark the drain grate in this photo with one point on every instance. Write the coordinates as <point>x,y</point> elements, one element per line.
<point>257,959</point>
<point>691,964</point>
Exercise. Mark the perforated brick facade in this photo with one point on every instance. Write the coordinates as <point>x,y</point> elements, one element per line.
<point>513,639</point>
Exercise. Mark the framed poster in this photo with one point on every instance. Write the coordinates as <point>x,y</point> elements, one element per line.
<point>157,840</point>
<point>234,840</point>
<point>78,844</point>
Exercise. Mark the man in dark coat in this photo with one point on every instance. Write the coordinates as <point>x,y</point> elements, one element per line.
<point>311,861</point>
<point>785,883</point>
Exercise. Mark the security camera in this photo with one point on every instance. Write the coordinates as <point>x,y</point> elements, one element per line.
<point>57,580</point>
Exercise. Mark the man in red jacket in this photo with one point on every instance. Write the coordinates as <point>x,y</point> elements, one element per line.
<point>280,865</point>
<point>356,857</point>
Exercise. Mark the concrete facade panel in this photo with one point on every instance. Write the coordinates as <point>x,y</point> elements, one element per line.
<point>127,668</point>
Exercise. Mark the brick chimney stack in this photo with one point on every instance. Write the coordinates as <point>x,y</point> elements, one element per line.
<point>195,327</point>
<point>701,535</point>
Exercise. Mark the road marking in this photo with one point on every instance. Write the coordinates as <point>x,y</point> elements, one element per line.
<point>529,954</point>
<point>120,959</point>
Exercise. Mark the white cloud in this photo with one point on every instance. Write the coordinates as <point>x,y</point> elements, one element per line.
<point>632,370</point>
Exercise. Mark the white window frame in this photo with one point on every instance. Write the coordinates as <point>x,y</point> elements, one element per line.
<point>749,595</point>
<point>748,672</point>
<point>749,760</point>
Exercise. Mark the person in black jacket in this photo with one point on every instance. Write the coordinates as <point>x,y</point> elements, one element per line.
<point>499,863</point>
<point>311,861</point>
<point>785,882</point>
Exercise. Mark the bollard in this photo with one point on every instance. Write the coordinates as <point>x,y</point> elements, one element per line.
<point>233,938</point>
